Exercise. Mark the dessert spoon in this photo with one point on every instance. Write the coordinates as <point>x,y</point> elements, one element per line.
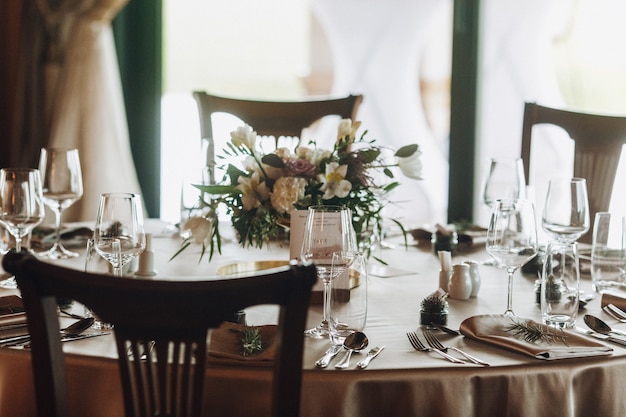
<point>598,325</point>
<point>353,343</point>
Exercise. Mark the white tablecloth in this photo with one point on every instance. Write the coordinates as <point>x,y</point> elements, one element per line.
<point>400,382</point>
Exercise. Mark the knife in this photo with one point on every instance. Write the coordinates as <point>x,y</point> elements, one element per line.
<point>446,329</point>
<point>601,336</point>
<point>328,356</point>
<point>71,338</point>
<point>362,364</point>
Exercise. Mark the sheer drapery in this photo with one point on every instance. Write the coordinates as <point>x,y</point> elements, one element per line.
<point>84,102</point>
<point>378,50</point>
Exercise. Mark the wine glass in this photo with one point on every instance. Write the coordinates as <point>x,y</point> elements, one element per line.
<point>566,211</point>
<point>328,229</point>
<point>348,295</point>
<point>62,186</point>
<point>118,235</point>
<point>21,206</point>
<point>512,238</point>
<point>504,180</point>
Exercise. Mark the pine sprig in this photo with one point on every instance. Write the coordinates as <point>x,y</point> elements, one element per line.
<point>534,332</point>
<point>251,341</point>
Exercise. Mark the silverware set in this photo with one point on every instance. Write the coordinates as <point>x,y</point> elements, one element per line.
<point>434,345</point>
<point>334,350</point>
<point>615,312</point>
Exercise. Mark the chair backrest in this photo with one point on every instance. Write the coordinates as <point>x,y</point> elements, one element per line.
<point>175,317</point>
<point>270,118</point>
<point>598,141</point>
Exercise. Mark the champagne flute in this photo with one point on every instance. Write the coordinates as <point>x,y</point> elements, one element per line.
<point>21,206</point>
<point>504,180</point>
<point>119,235</point>
<point>62,186</point>
<point>328,229</point>
<point>512,238</point>
<point>566,211</point>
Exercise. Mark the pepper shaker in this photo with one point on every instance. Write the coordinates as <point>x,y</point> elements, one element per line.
<point>474,276</point>
<point>460,285</point>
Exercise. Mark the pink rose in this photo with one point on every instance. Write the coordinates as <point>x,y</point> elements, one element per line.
<point>300,168</point>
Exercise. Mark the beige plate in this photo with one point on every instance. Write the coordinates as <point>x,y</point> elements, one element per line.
<point>242,268</point>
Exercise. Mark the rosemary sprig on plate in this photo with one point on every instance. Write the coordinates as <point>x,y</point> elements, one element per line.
<point>534,332</point>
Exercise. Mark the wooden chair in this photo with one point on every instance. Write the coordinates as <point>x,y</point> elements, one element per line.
<point>270,118</point>
<point>598,141</point>
<point>175,316</point>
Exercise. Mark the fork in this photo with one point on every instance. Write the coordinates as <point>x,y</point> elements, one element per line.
<point>418,345</point>
<point>436,344</point>
<point>615,312</point>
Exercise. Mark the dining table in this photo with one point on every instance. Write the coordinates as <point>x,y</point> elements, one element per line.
<point>399,382</point>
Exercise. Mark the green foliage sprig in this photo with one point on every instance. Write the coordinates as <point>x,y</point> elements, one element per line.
<point>251,341</point>
<point>534,332</point>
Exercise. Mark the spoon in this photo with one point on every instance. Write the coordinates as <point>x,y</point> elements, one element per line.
<point>353,343</point>
<point>598,325</point>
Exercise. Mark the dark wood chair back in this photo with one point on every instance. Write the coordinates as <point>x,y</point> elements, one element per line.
<point>270,118</point>
<point>598,141</point>
<point>175,317</point>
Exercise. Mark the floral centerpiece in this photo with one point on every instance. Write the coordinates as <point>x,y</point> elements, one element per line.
<point>260,196</point>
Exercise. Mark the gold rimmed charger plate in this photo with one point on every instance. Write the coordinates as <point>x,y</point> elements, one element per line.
<point>247,267</point>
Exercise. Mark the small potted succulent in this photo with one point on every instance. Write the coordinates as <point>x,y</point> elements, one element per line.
<point>434,308</point>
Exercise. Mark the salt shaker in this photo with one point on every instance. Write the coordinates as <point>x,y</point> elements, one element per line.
<point>460,285</point>
<point>445,259</point>
<point>474,276</point>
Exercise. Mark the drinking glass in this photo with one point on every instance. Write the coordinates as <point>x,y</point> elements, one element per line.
<point>512,238</point>
<point>504,180</point>
<point>348,295</point>
<point>608,252</point>
<point>62,186</point>
<point>328,229</point>
<point>119,235</point>
<point>21,206</point>
<point>566,211</point>
<point>560,283</point>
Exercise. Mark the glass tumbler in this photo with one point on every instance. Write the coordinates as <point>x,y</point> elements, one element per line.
<point>560,283</point>
<point>608,250</point>
<point>348,296</point>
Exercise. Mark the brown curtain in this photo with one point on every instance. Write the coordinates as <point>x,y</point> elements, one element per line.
<point>21,77</point>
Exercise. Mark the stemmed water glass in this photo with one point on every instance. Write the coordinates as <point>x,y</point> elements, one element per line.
<point>328,229</point>
<point>21,206</point>
<point>62,186</point>
<point>119,236</point>
<point>504,179</point>
<point>566,212</point>
<point>512,238</point>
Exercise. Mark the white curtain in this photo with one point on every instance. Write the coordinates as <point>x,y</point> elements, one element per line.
<point>379,49</point>
<point>85,107</point>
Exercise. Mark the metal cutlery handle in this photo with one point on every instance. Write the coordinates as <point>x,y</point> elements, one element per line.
<point>345,361</point>
<point>328,356</point>
<point>362,364</point>
<point>468,356</point>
